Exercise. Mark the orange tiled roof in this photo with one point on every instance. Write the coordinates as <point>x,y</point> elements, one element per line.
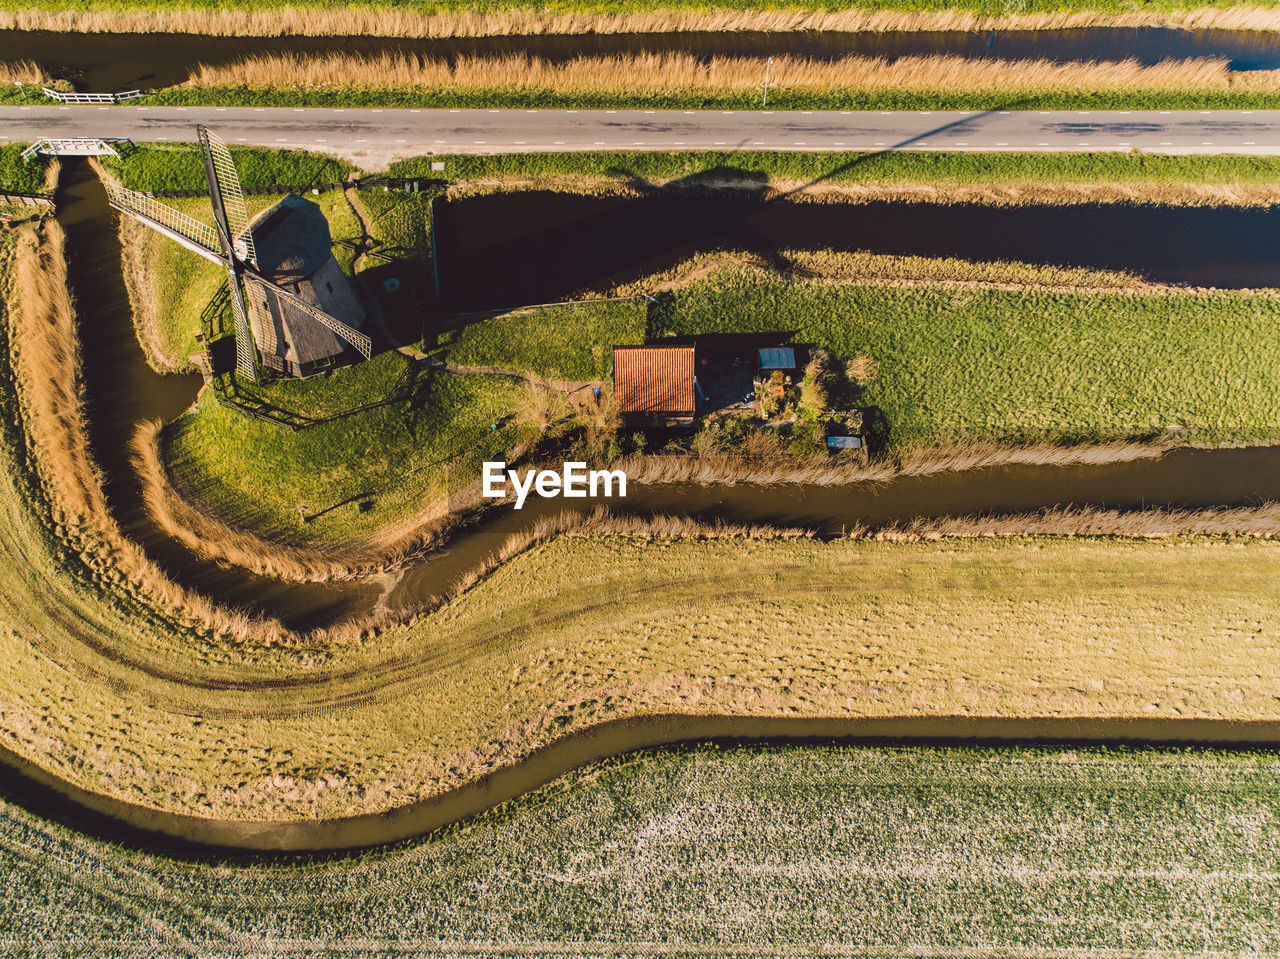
<point>653,379</point>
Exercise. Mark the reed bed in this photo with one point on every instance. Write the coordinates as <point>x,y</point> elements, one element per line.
<point>660,75</point>
<point>719,469</point>
<point>46,361</point>
<point>379,20</point>
<point>1261,522</point>
<point>25,72</point>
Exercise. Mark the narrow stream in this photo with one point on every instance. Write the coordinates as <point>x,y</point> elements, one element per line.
<point>101,62</point>
<point>122,390</point>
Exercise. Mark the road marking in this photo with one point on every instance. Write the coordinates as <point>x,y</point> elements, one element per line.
<point>610,111</point>
<point>479,142</point>
<point>1206,143</point>
<point>1122,144</point>
<point>1042,144</point>
<point>879,143</point>
<point>362,141</point>
<point>798,143</point>
<point>1164,113</point>
<point>727,113</point>
<point>495,111</point>
<point>806,113</point>
<point>441,141</point>
<point>1205,112</point>
<point>239,139</point>
<point>297,110</point>
<point>599,143</point>
<point>375,111</point>
<point>558,143</point>
<point>1002,144</point>
<point>1082,113</point>
<point>1004,113</point>
<point>104,108</point>
<point>326,141</point>
<point>838,143</point>
<point>718,143</point>
<point>260,110</point>
<point>568,111</point>
<point>1248,143</point>
<point>678,143</point>
<point>1124,113</point>
<point>1083,143</point>
<point>922,143</point>
<point>961,143</point>
<point>162,138</point>
<point>637,143</point>
<point>1166,143</point>
<point>455,111</point>
<point>415,111</point>
<point>400,141</point>
<point>648,111</point>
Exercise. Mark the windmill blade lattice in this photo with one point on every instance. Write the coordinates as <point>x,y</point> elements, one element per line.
<point>148,208</point>
<point>362,343</point>
<point>228,186</point>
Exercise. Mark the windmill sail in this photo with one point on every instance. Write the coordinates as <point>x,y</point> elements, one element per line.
<point>362,343</point>
<point>225,182</point>
<point>190,232</point>
<point>246,358</point>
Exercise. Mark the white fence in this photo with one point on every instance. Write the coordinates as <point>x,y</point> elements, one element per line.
<point>71,146</point>
<point>91,97</point>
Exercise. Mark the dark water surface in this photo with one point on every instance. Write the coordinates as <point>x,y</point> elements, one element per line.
<point>99,62</point>
<point>507,249</point>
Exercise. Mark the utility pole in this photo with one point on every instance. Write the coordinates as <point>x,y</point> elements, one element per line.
<point>764,100</point>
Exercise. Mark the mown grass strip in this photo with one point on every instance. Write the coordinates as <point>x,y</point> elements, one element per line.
<point>965,169</point>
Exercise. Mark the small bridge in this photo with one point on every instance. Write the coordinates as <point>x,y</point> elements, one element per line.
<point>71,146</point>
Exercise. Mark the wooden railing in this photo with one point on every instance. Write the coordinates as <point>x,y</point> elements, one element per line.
<point>91,97</point>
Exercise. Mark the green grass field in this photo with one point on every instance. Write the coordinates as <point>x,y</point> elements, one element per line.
<point>1170,173</point>
<point>1021,365</point>
<point>730,850</point>
<point>389,440</point>
<point>160,167</point>
<point>571,341</point>
<point>22,176</point>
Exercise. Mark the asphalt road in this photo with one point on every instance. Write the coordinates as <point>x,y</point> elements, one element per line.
<point>378,136</point>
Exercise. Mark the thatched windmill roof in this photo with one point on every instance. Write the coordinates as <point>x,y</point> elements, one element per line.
<point>292,240</point>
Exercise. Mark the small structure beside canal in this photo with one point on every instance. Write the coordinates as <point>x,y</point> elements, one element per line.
<point>655,385</point>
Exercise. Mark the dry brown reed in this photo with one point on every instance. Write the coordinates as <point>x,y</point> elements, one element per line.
<point>1259,521</point>
<point>376,20</point>
<point>721,469</point>
<point>840,267</point>
<point>46,360</point>
<point>649,74</point>
<point>23,72</point>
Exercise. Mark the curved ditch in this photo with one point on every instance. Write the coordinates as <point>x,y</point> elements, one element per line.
<point>121,61</point>
<point>122,389</point>
<point>192,835</point>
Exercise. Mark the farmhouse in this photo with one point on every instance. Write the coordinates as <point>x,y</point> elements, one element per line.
<point>293,251</point>
<point>654,385</point>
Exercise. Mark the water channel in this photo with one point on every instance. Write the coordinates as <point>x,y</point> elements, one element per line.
<point>99,62</point>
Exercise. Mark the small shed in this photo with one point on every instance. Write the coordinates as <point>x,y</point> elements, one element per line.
<point>654,384</point>
<point>777,358</point>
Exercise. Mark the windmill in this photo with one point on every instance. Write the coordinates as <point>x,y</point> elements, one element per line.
<point>294,308</point>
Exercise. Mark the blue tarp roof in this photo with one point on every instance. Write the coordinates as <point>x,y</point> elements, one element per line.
<point>777,358</point>
<point>844,442</point>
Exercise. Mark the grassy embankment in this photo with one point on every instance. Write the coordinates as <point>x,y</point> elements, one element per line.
<point>483,17</point>
<point>1059,853</point>
<point>683,81</point>
<point>1004,178</point>
<point>390,439</point>
<point>17,175</point>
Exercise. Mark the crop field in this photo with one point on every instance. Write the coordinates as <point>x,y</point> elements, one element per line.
<point>730,850</point>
